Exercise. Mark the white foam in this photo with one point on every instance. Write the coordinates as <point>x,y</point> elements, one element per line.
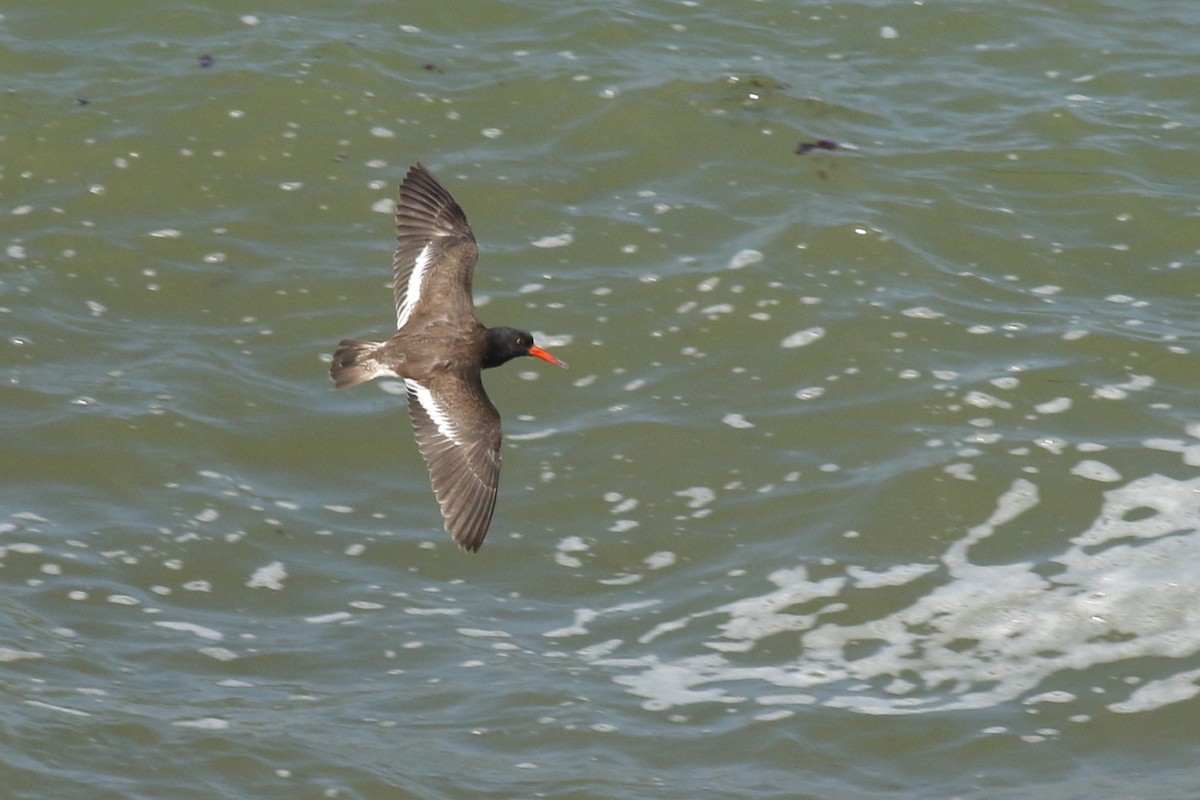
<point>1096,471</point>
<point>623,505</point>
<point>1055,406</point>
<point>544,433</point>
<point>895,576</point>
<point>481,633</point>
<point>962,470</point>
<point>562,240</point>
<point>270,576</point>
<point>985,400</point>
<point>434,612</point>
<point>1119,391</point>
<point>578,628</point>
<point>745,258</point>
<point>803,338</point>
<point>660,560</point>
<point>988,632</point>
<point>573,544</point>
<point>74,712</point>
<point>621,579</point>
<point>1158,693</point>
<point>564,560</point>
<point>191,627</point>
<point>219,653</point>
<point>205,723</point>
<point>1190,452</point>
<point>698,496</point>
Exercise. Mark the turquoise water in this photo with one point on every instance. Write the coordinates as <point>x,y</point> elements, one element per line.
<point>875,473</point>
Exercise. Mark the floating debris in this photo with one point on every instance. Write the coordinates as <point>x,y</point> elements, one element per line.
<point>819,144</point>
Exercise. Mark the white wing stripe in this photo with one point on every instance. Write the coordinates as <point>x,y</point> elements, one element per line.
<point>441,419</point>
<point>415,279</point>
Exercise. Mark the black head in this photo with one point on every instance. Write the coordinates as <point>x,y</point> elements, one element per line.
<point>505,344</point>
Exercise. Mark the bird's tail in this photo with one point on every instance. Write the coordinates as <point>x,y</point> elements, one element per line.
<point>356,362</point>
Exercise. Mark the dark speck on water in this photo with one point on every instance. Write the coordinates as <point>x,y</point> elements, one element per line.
<point>819,144</point>
<point>206,61</point>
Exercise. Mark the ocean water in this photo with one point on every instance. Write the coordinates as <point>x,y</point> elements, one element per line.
<point>876,472</point>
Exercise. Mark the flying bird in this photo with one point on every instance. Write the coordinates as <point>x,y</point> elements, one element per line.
<point>440,349</point>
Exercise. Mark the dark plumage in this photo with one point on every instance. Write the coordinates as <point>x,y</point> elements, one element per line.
<point>439,349</point>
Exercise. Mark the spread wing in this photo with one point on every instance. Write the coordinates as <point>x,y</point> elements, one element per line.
<point>458,433</point>
<point>435,253</point>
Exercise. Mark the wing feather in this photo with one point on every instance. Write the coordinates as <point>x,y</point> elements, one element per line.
<point>435,251</point>
<point>458,432</point>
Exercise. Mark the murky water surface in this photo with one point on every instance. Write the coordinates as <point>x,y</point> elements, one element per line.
<point>876,473</point>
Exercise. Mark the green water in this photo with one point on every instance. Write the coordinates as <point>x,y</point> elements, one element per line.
<point>874,475</point>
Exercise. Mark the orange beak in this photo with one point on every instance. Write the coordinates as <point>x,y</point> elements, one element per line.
<point>538,352</point>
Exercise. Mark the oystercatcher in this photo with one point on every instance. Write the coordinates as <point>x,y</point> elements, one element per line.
<point>439,349</point>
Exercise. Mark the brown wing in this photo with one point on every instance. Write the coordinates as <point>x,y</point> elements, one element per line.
<point>458,432</point>
<point>435,253</point>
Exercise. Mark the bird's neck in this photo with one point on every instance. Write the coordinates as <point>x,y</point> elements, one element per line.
<point>495,351</point>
